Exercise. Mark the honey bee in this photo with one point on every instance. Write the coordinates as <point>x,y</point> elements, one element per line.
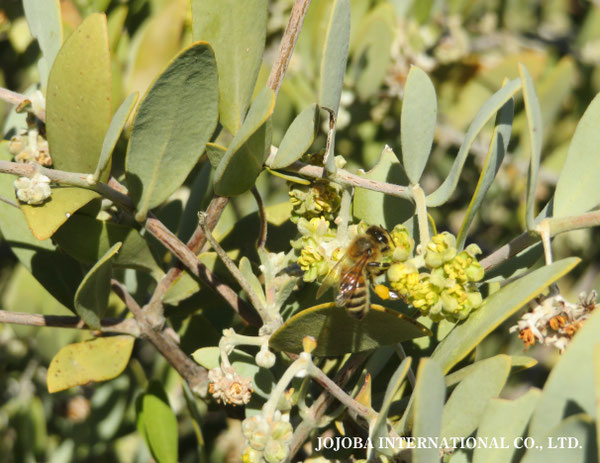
<point>360,263</point>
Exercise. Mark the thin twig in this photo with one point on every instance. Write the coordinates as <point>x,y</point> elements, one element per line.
<point>190,260</point>
<point>194,374</point>
<point>108,325</point>
<point>235,272</point>
<point>17,99</point>
<point>262,237</point>
<point>66,178</point>
<point>195,244</point>
<point>344,177</point>
<point>288,42</point>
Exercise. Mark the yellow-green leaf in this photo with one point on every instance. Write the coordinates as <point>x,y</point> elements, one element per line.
<point>337,333</point>
<point>96,360</point>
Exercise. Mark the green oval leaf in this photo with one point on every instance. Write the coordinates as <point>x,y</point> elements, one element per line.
<point>43,18</point>
<point>429,398</point>
<point>157,423</point>
<point>252,279</point>
<point>534,122</point>
<point>489,108</point>
<point>497,308</point>
<point>569,387</point>
<point>114,132</point>
<point>577,188</point>
<point>171,128</point>
<point>491,165</point>
<point>335,55</point>
<point>248,150</point>
<point>96,360</point>
<point>417,123</point>
<point>237,31</point>
<point>87,239</point>
<point>298,138</point>
<point>337,333</point>
<point>244,364</point>
<point>504,421</point>
<point>465,407</point>
<point>91,298</point>
<point>377,208</point>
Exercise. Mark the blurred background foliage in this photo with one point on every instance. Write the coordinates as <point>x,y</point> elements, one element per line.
<point>466,46</point>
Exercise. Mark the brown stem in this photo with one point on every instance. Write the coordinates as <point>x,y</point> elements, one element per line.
<point>109,325</point>
<point>195,244</point>
<point>288,42</point>
<point>190,260</point>
<point>194,374</point>
<point>344,177</point>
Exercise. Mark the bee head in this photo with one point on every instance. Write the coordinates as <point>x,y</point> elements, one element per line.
<point>378,234</point>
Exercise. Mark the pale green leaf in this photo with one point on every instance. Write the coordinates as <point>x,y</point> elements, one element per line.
<point>337,333</point>
<point>335,55</point>
<point>497,308</point>
<point>491,165</point>
<point>569,388</point>
<point>158,424</point>
<point>378,430</point>
<point>517,363</point>
<point>112,135</point>
<point>429,398</point>
<point>236,30</point>
<point>465,407</point>
<point>248,150</point>
<point>91,298</point>
<point>43,18</point>
<point>298,138</point>
<point>534,120</point>
<point>252,279</point>
<point>572,440</point>
<point>503,422</point>
<point>174,122</point>
<point>99,359</point>
<point>489,108</point>
<point>418,119</point>
<point>376,208</point>
<point>577,188</point>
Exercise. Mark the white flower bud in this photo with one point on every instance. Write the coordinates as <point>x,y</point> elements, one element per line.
<point>34,190</point>
<point>265,358</point>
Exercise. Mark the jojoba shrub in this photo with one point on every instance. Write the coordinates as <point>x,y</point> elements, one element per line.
<point>273,231</point>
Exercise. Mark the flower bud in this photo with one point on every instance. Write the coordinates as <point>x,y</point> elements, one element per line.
<point>265,358</point>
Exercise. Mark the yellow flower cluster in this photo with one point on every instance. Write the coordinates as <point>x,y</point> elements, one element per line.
<point>440,281</point>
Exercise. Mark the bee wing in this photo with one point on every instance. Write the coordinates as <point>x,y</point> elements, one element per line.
<point>331,278</point>
<point>350,280</point>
